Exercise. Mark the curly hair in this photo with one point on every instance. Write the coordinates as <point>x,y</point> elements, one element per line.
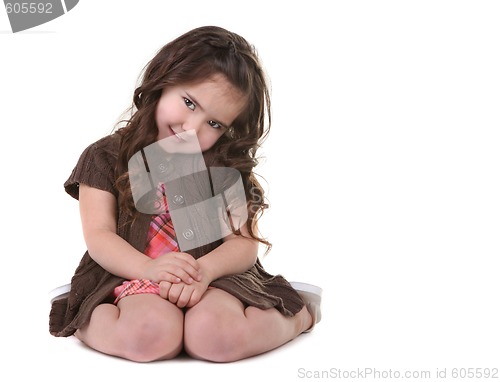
<point>195,56</point>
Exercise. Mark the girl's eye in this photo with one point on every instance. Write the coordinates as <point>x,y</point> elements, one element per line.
<point>189,104</point>
<point>215,125</point>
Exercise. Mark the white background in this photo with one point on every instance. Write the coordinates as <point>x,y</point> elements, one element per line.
<point>382,169</point>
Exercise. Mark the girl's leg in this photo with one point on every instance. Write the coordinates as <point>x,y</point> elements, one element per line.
<point>219,328</point>
<point>142,328</point>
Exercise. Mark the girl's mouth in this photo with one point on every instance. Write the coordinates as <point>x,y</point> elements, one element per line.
<point>179,138</point>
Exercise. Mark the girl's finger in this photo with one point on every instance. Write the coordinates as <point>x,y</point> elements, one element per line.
<point>184,271</point>
<point>174,293</point>
<point>184,298</point>
<point>164,289</point>
<point>188,259</point>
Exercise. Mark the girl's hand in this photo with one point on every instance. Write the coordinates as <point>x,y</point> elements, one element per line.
<point>174,267</point>
<point>183,295</point>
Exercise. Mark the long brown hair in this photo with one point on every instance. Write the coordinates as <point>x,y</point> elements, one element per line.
<point>195,56</point>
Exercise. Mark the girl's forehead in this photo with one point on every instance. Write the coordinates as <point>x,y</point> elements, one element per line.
<point>216,94</point>
<point>218,84</point>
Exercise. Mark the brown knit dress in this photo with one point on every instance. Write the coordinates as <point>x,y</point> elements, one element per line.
<point>92,285</point>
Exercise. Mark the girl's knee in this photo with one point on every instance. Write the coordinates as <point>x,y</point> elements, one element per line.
<point>214,335</point>
<point>147,342</point>
<point>152,338</point>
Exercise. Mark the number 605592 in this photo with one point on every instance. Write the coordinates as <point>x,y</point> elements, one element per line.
<point>28,8</point>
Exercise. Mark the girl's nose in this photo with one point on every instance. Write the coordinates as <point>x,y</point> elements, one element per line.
<point>193,124</point>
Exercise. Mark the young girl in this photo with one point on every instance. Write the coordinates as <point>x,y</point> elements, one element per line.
<point>135,294</point>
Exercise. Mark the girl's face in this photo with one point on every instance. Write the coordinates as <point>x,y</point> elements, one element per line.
<point>208,108</point>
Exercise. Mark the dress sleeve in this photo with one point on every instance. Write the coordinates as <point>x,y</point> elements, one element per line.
<point>95,168</point>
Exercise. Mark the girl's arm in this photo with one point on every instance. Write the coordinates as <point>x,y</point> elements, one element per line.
<point>98,211</point>
<point>235,255</point>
